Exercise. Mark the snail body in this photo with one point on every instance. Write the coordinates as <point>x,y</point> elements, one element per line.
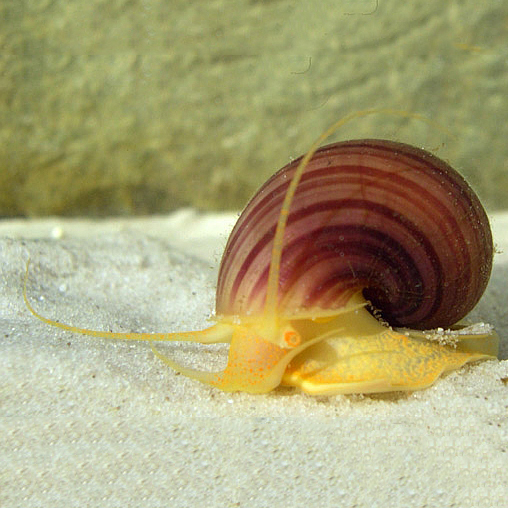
<point>337,269</point>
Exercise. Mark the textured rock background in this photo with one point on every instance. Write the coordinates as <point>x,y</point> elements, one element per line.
<point>142,106</point>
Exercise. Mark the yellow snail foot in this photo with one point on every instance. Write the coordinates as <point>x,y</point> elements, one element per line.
<point>372,358</point>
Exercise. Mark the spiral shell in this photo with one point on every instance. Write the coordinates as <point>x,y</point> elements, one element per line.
<point>373,215</point>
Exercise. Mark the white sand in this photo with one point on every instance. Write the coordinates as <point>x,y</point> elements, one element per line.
<point>92,422</point>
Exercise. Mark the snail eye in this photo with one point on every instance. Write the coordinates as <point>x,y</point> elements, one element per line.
<point>292,338</point>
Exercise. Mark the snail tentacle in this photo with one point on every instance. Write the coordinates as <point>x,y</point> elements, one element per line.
<point>218,333</point>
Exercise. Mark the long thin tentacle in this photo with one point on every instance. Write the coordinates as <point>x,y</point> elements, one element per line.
<point>219,332</point>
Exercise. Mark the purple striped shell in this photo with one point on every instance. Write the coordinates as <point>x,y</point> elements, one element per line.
<point>373,215</point>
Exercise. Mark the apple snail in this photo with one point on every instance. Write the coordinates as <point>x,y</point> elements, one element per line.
<point>347,273</point>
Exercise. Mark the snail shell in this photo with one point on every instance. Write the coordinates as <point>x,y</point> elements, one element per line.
<point>373,215</point>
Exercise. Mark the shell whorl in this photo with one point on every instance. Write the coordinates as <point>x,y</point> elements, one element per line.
<point>373,215</point>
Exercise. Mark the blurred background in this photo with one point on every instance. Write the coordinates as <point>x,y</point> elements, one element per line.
<point>134,107</point>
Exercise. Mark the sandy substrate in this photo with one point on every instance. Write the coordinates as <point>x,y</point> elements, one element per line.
<point>93,422</point>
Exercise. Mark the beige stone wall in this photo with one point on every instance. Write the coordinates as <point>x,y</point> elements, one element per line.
<point>142,106</point>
